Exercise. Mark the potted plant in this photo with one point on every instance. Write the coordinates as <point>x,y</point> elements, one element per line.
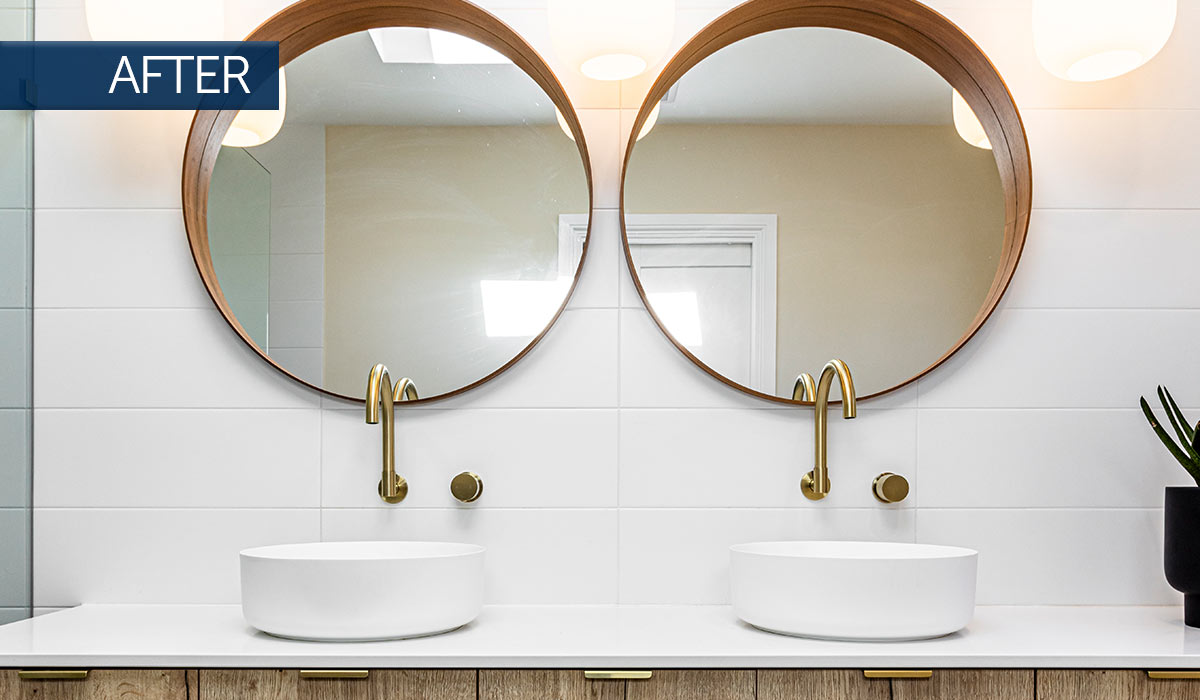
<point>1181,541</point>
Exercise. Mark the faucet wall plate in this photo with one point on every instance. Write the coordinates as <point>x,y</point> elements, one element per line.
<point>808,487</point>
<point>467,487</point>
<point>889,488</point>
<point>401,490</point>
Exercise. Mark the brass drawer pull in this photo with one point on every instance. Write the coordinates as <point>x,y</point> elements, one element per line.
<point>617,675</point>
<point>1173,675</point>
<point>327,674</point>
<point>52,675</point>
<point>903,673</point>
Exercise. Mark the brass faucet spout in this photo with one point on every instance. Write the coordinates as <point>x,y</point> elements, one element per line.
<point>381,399</point>
<point>815,484</point>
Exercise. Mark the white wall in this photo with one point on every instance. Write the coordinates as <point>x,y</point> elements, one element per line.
<point>163,446</point>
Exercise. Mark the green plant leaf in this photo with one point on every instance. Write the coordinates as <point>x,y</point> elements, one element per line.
<point>1196,439</point>
<point>1183,458</point>
<point>1174,408</point>
<point>1180,430</point>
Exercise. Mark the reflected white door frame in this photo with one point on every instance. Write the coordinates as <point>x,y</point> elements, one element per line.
<point>759,231</point>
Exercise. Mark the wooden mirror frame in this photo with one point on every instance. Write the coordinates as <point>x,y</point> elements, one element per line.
<point>929,37</point>
<point>309,23</point>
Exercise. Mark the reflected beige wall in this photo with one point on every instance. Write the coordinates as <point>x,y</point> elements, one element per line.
<point>415,217</point>
<point>889,236</point>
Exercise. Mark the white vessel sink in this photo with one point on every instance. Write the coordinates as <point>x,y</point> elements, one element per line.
<point>359,591</point>
<point>854,590</point>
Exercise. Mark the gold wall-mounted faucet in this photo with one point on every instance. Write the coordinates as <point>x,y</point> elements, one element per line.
<point>804,389</point>
<point>380,395</point>
<point>815,484</point>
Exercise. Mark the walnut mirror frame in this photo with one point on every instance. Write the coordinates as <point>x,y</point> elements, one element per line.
<point>920,32</point>
<point>308,24</point>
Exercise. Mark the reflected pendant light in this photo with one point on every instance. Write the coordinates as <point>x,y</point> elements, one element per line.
<point>254,127</point>
<point>1088,40</point>
<point>155,20</point>
<point>611,39</point>
<point>967,124</point>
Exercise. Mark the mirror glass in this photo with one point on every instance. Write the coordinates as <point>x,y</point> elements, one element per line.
<point>805,195</point>
<point>420,207</point>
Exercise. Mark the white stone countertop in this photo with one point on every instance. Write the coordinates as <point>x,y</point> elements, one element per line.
<point>214,636</point>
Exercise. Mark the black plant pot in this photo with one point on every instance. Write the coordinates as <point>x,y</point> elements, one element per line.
<point>1181,548</point>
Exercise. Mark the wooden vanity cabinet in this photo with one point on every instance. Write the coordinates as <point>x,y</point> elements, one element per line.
<point>101,684</point>
<point>697,684</point>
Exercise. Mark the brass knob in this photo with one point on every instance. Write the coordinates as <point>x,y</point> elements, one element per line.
<point>401,490</point>
<point>466,487</point>
<point>890,488</point>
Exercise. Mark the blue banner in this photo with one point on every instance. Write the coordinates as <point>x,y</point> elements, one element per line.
<point>139,75</point>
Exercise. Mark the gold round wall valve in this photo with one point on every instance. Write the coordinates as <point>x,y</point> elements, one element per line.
<point>467,487</point>
<point>890,488</point>
<point>401,490</point>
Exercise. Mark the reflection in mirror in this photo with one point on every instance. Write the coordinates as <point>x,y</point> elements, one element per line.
<point>427,213</point>
<point>805,196</point>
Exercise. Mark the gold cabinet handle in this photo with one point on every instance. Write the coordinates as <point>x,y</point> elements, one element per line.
<point>618,675</point>
<point>327,674</point>
<point>57,674</point>
<point>1173,675</point>
<point>899,673</point>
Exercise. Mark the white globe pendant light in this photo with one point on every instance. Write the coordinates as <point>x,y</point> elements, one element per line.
<point>611,39</point>
<point>1089,40</point>
<point>254,127</point>
<point>155,20</point>
<point>967,124</point>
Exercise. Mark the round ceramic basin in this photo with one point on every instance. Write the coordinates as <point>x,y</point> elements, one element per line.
<point>854,590</point>
<point>358,591</point>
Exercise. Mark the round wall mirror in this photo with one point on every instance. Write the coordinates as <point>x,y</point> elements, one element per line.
<point>824,183</point>
<point>420,205</point>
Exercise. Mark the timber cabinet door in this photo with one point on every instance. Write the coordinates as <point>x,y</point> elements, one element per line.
<point>103,684</point>
<point>955,684</point>
<point>1113,685</point>
<point>290,684</point>
<point>834,684</point>
<point>546,685</point>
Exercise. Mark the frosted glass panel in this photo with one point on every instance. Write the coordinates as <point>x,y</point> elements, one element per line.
<point>16,332</point>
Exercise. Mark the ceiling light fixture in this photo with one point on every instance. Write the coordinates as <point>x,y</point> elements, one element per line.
<point>613,39</point>
<point>1089,40</point>
<point>254,127</point>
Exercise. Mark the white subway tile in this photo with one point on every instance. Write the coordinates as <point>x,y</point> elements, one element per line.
<point>109,159</point>
<point>1058,557</point>
<point>115,258</point>
<point>297,229</point>
<point>306,363</point>
<point>533,556</point>
<point>14,358</point>
<point>178,458</point>
<point>655,374</point>
<point>1036,358</point>
<point>681,557</point>
<point>297,277</point>
<point>1114,158</point>
<point>598,281</point>
<point>152,358</point>
<point>153,556</point>
<point>14,260</point>
<point>572,367</point>
<point>1072,458</point>
<point>527,458</point>
<point>297,324</point>
<point>14,557</point>
<point>602,131</point>
<point>15,455</point>
<point>14,167</point>
<point>755,459</point>
<point>1109,259</point>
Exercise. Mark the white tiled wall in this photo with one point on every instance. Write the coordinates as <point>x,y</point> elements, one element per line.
<point>615,470</point>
